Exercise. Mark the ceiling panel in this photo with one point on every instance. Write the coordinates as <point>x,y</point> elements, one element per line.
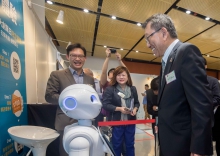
<point>208,41</point>
<point>100,52</point>
<point>113,41</point>
<point>215,53</point>
<point>215,65</point>
<point>188,26</point>
<point>158,60</point>
<point>85,4</point>
<point>140,56</point>
<point>80,26</point>
<point>135,10</point>
<point>208,8</point>
<point>120,29</point>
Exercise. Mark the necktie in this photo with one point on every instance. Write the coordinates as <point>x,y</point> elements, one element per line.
<point>163,67</point>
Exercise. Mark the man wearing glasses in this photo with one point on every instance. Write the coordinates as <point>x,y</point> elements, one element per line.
<point>59,80</point>
<point>184,99</point>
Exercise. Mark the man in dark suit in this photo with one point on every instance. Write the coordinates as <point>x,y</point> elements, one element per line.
<point>184,100</point>
<point>215,88</point>
<point>152,106</point>
<point>59,80</point>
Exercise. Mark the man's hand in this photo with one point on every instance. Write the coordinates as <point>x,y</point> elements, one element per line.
<point>143,94</point>
<point>108,52</point>
<point>155,108</point>
<point>156,129</point>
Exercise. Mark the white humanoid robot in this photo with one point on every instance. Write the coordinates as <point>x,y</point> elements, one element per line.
<point>81,102</point>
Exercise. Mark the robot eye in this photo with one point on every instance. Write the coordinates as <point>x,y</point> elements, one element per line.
<point>69,103</point>
<point>93,99</point>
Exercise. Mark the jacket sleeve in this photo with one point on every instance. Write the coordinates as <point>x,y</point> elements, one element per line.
<point>198,94</point>
<point>107,100</point>
<point>150,105</point>
<point>136,101</point>
<point>215,93</point>
<point>52,91</point>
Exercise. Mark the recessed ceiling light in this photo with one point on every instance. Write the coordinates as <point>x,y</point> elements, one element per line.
<point>121,49</point>
<point>85,10</point>
<point>49,2</point>
<point>207,55</point>
<point>105,46</point>
<point>136,51</point>
<point>138,24</point>
<point>207,18</point>
<point>113,17</point>
<point>188,12</point>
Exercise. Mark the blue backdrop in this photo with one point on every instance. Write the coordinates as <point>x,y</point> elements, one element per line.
<point>13,103</point>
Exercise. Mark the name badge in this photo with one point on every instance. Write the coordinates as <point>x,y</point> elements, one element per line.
<point>170,77</point>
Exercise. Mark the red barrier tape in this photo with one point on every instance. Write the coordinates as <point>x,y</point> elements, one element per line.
<point>129,122</point>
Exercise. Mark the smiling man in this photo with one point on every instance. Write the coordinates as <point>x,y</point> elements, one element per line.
<point>59,80</point>
<point>184,99</point>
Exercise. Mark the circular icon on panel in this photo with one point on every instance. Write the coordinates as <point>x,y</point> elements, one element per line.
<point>17,103</point>
<point>15,64</point>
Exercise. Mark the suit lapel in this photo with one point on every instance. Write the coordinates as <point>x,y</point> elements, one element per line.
<point>169,64</point>
<point>69,75</point>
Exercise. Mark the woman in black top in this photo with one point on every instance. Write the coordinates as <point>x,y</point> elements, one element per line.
<point>121,100</point>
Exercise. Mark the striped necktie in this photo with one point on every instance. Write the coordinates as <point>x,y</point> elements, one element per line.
<point>163,67</point>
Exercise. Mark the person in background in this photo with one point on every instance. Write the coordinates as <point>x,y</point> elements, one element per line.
<point>147,116</point>
<point>108,75</point>
<point>59,80</point>
<point>121,100</point>
<point>98,89</point>
<point>215,88</point>
<point>152,106</point>
<point>185,112</point>
<point>105,83</point>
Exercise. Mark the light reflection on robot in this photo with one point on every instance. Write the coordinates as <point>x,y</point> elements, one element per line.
<point>81,102</point>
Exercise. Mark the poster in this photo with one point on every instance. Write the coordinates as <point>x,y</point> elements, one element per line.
<point>13,104</point>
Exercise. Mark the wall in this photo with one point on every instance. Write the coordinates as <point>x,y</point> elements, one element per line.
<point>40,56</point>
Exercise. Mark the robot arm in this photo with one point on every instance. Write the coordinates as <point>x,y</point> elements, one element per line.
<point>79,146</point>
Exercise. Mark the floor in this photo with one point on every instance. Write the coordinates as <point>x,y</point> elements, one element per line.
<point>144,141</point>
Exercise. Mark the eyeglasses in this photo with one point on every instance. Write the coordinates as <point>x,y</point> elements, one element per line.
<point>147,38</point>
<point>75,56</point>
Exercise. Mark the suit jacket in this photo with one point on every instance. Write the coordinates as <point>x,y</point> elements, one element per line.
<point>57,82</point>
<point>111,100</point>
<point>185,105</point>
<point>215,88</point>
<point>151,101</point>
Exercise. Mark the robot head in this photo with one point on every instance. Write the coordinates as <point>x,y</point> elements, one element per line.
<point>80,101</point>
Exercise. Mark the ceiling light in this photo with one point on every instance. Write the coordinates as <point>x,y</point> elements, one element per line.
<point>105,46</point>
<point>85,10</point>
<point>188,12</point>
<point>60,17</point>
<point>113,17</point>
<point>121,49</point>
<point>138,24</point>
<point>154,54</point>
<point>136,51</point>
<point>207,18</point>
<point>208,55</point>
<point>49,2</point>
